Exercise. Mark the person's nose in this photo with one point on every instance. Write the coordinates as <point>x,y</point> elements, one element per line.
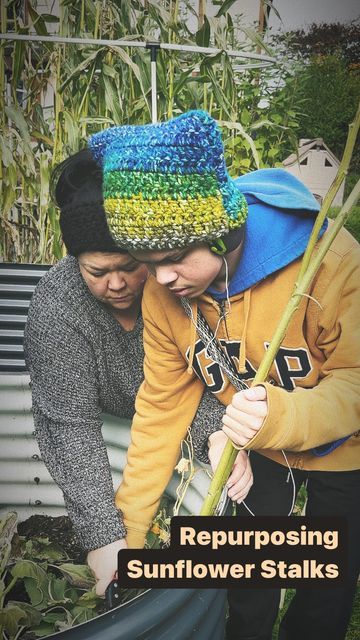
<point>165,274</point>
<point>116,281</point>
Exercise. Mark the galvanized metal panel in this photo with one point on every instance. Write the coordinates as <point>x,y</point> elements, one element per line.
<point>14,303</point>
<point>25,483</point>
<point>159,614</point>
<point>15,272</point>
<point>15,396</point>
<point>11,333</point>
<point>28,471</point>
<point>24,479</point>
<point>17,289</point>
<point>15,423</point>
<point>9,348</point>
<point>17,283</point>
<point>13,318</point>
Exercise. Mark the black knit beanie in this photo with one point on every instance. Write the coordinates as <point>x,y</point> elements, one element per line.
<point>76,187</point>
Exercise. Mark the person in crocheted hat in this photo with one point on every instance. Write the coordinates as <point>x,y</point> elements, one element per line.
<point>170,201</point>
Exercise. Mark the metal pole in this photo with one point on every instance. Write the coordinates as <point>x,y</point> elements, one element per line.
<point>154,48</point>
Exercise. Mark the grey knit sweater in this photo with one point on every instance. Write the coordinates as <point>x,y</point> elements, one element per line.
<point>82,363</point>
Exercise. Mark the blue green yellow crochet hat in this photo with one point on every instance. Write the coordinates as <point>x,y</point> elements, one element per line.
<point>166,185</point>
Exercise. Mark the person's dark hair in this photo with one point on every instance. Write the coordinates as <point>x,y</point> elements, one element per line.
<point>76,188</point>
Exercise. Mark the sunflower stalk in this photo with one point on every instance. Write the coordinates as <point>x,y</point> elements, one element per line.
<point>308,269</point>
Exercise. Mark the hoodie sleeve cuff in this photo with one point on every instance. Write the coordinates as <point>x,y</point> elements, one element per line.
<point>135,538</point>
<point>272,434</point>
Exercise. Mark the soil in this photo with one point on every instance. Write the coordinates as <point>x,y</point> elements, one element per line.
<point>59,530</point>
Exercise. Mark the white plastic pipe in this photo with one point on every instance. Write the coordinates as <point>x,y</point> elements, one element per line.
<point>136,43</point>
<point>263,61</point>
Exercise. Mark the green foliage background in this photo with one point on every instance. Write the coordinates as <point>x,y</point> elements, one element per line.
<point>325,81</point>
<point>53,96</point>
<point>97,86</point>
<point>329,93</point>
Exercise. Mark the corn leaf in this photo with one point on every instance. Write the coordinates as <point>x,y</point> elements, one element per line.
<point>225,8</point>
<point>238,127</point>
<point>38,21</point>
<point>202,36</point>
<point>79,69</point>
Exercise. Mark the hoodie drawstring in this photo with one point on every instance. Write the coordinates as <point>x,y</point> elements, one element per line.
<point>192,336</point>
<point>242,354</point>
<point>193,333</point>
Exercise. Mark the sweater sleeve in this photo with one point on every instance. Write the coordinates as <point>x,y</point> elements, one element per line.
<point>306,418</point>
<point>68,427</point>
<point>165,407</point>
<point>208,419</point>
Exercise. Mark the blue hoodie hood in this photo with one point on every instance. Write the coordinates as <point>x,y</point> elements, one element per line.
<point>280,220</point>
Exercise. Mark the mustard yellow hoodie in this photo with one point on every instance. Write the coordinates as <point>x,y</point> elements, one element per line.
<point>319,359</point>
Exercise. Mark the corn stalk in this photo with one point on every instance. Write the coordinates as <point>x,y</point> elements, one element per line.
<point>308,269</point>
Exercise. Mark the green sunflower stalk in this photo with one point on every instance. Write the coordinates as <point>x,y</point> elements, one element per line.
<point>309,266</point>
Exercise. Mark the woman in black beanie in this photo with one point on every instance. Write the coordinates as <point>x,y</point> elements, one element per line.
<point>84,351</point>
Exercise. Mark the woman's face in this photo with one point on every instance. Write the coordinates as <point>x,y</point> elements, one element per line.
<point>116,279</point>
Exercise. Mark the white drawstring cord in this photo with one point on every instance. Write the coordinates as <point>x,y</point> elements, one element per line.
<point>227,286</point>
<point>221,317</point>
<point>293,486</point>
<point>226,311</point>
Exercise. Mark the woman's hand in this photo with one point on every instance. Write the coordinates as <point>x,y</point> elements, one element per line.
<point>103,563</point>
<point>241,478</point>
